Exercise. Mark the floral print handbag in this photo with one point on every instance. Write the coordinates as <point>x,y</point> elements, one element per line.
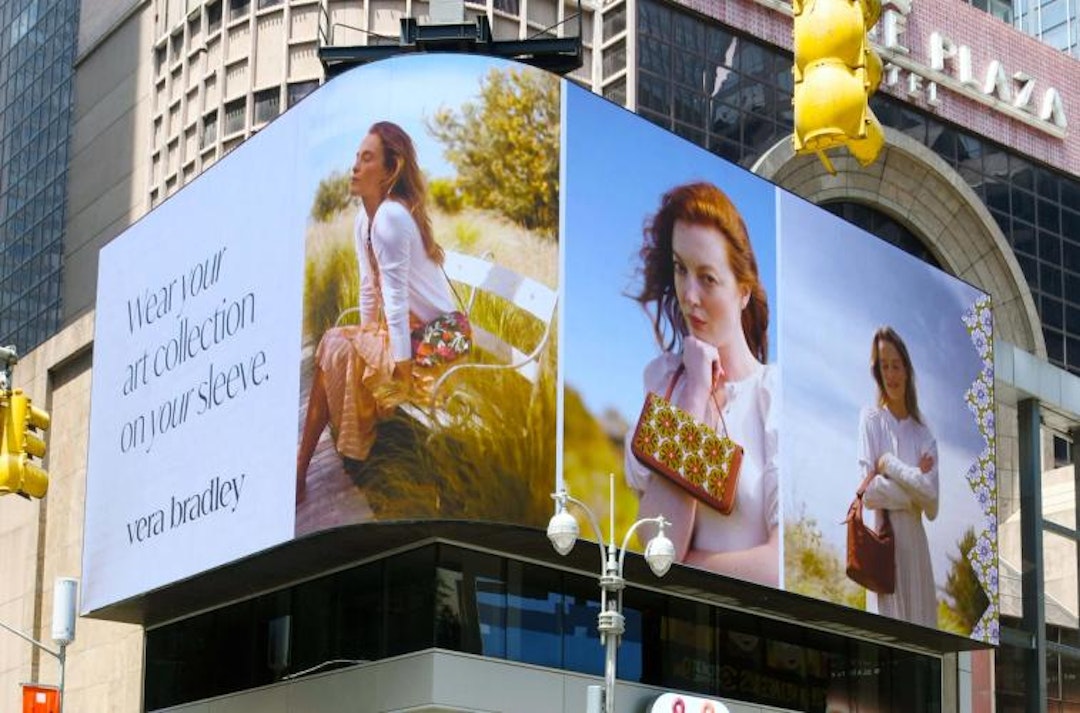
<point>442,340</point>
<point>687,451</point>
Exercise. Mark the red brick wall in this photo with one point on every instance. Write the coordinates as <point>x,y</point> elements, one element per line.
<point>988,38</point>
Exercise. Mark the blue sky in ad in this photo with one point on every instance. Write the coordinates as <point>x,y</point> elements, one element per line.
<point>840,285</point>
<point>617,166</point>
<point>410,90</point>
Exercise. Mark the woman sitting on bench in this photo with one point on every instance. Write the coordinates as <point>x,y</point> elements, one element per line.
<point>363,372</point>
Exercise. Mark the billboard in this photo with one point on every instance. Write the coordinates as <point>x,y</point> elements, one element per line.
<point>443,287</point>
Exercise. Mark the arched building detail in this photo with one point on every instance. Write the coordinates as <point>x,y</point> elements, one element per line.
<point>913,185</point>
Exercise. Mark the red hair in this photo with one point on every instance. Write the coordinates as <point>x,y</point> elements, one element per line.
<point>706,205</point>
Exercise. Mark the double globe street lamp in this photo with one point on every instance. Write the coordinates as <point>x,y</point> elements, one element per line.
<point>563,532</point>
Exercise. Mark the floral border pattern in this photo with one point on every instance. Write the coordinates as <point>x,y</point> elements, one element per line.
<point>982,475</point>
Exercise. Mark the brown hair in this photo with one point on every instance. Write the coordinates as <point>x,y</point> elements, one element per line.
<point>406,184</point>
<point>699,204</point>
<point>911,397</point>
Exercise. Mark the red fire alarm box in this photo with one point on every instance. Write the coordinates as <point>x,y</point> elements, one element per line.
<point>40,699</point>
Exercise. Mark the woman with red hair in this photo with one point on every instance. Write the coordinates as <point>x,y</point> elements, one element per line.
<point>710,316</point>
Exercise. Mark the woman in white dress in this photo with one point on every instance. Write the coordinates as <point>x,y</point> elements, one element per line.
<point>362,372</point>
<point>898,450</point>
<point>710,316</point>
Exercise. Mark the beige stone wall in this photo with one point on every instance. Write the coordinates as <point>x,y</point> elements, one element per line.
<point>42,540</point>
<point>19,565</point>
<point>107,172</point>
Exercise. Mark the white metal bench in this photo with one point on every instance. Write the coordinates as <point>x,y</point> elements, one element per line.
<point>478,275</point>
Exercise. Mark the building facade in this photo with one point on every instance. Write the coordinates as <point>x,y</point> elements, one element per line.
<point>980,176</point>
<point>36,74</point>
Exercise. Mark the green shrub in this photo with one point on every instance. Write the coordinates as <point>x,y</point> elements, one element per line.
<point>466,235</point>
<point>446,196</point>
<point>331,197</point>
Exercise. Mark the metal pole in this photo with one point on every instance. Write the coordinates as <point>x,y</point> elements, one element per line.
<point>609,674</point>
<point>24,637</point>
<point>1032,587</point>
<point>63,661</point>
<point>60,655</point>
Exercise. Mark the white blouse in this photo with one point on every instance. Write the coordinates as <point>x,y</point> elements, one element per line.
<point>907,493</point>
<point>751,411</point>
<point>410,280</point>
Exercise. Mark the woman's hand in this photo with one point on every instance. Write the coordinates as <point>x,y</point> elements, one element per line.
<point>702,362</point>
<point>703,372</point>
<point>403,377</point>
<point>926,464</point>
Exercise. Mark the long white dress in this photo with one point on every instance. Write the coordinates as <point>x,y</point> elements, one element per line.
<point>750,413</point>
<point>907,493</point>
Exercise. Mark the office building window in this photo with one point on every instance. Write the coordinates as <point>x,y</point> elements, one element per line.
<point>298,90</point>
<point>614,59</point>
<point>614,21</point>
<point>213,17</point>
<point>209,132</point>
<point>238,9</point>
<point>234,116</point>
<point>267,105</point>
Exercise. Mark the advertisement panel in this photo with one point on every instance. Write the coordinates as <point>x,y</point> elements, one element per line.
<point>851,310</point>
<point>441,288</point>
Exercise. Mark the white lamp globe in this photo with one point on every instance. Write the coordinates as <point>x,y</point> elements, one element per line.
<point>660,553</point>
<point>562,530</point>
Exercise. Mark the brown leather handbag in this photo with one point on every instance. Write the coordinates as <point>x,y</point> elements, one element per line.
<point>871,554</point>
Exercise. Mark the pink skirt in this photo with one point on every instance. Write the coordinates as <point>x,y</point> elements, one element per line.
<point>358,369</point>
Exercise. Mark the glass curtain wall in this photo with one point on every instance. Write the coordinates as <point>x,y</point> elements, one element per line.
<point>37,54</point>
<point>461,599</point>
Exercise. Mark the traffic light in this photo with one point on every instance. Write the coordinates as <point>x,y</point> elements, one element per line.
<point>20,440</point>
<point>836,71</point>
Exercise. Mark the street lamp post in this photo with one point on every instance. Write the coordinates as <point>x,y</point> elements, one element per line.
<point>563,532</point>
<point>65,592</point>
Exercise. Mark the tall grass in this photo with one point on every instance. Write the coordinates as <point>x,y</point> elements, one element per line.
<point>495,458</point>
<point>331,274</point>
<point>813,568</point>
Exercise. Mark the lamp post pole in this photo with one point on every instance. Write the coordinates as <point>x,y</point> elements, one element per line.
<point>63,627</point>
<point>659,554</point>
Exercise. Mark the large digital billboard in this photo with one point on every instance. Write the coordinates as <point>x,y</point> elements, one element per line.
<point>444,287</point>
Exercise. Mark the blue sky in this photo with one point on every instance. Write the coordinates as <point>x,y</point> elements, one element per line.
<point>418,86</point>
<point>840,285</point>
<point>617,167</point>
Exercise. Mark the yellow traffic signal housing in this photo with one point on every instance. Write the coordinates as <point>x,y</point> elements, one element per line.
<point>836,70</point>
<point>20,441</point>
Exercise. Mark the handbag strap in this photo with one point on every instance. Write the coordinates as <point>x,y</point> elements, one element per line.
<point>461,302</point>
<point>374,263</point>
<point>671,388</point>
<point>858,502</point>
<point>865,484</point>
